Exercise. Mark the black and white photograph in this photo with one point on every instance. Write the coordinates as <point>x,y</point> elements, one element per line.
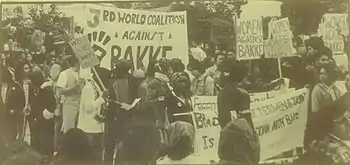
<point>174,82</point>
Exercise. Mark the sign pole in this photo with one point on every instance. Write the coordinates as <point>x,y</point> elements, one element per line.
<point>279,67</point>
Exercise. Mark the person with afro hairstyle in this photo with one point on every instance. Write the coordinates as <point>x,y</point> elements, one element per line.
<point>232,100</point>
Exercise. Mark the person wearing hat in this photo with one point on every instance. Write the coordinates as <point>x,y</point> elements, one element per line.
<point>178,101</point>
<point>69,86</point>
<point>232,100</point>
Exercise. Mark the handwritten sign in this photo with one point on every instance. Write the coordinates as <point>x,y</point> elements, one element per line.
<point>281,44</point>
<point>249,38</point>
<point>84,52</point>
<point>278,119</point>
<point>332,27</point>
<point>136,35</point>
<point>275,120</point>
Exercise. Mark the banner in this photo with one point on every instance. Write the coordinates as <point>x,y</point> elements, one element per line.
<point>332,27</point>
<point>249,40</point>
<point>136,35</point>
<point>281,44</point>
<point>258,97</point>
<point>275,120</point>
<point>84,52</point>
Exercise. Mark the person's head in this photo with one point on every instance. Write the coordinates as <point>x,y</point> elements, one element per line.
<point>76,145</point>
<point>37,78</point>
<point>180,81</point>
<point>313,45</point>
<point>175,65</point>
<point>141,144</point>
<point>197,68</point>
<point>181,140</point>
<point>73,63</point>
<point>219,58</point>
<point>29,57</point>
<point>55,72</point>
<point>323,57</point>
<point>162,66</point>
<point>78,29</point>
<point>23,71</point>
<point>122,67</point>
<point>328,74</point>
<point>232,71</point>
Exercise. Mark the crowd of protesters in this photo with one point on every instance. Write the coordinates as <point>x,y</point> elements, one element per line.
<point>75,118</point>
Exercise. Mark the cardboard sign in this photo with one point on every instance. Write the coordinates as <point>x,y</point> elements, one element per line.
<point>84,52</point>
<point>332,27</point>
<point>275,120</point>
<point>249,40</point>
<point>281,44</point>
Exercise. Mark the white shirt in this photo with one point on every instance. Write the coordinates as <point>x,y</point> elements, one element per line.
<point>89,107</point>
<point>26,92</point>
<point>63,80</point>
<point>4,92</point>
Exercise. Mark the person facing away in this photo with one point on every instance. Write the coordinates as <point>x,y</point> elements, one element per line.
<point>202,85</point>
<point>43,107</point>
<point>232,100</point>
<point>238,144</point>
<point>76,149</point>
<point>69,86</point>
<point>13,104</point>
<point>179,138</point>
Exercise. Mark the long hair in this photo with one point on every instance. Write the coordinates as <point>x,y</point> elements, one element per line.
<point>19,71</point>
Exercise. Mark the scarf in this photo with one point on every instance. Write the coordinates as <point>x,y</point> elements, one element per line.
<point>176,131</point>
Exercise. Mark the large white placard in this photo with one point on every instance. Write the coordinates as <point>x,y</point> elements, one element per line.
<point>137,35</point>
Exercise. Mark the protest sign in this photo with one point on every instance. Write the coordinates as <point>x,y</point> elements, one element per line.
<point>278,119</point>
<point>281,44</point>
<point>84,52</point>
<point>249,38</point>
<point>275,120</point>
<point>135,35</point>
<point>258,97</point>
<point>332,27</point>
<point>207,126</point>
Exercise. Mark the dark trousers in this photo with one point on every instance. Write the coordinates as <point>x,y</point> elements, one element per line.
<point>114,132</point>
<point>13,127</point>
<point>42,136</point>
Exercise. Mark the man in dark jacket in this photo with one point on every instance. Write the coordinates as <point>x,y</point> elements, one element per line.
<point>123,90</point>
<point>13,104</point>
<point>43,108</point>
<point>232,100</point>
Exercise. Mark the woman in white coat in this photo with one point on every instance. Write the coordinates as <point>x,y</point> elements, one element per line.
<point>91,102</point>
